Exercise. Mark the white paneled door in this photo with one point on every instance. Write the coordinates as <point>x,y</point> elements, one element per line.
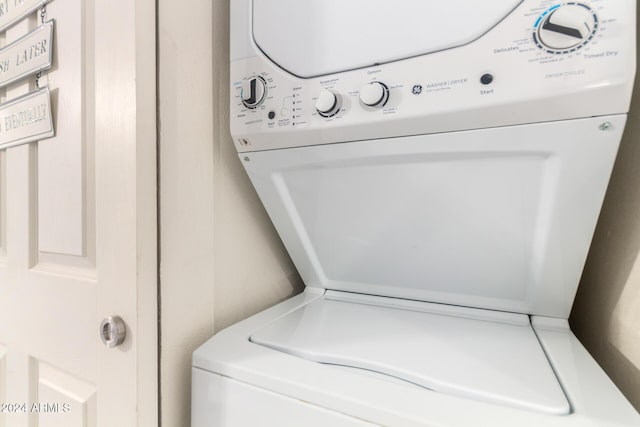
<point>78,227</point>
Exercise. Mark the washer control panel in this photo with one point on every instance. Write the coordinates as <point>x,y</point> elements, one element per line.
<point>547,60</point>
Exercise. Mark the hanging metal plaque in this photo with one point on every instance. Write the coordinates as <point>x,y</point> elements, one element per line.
<point>12,11</point>
<point>26,119</point>
<point>27,55</point>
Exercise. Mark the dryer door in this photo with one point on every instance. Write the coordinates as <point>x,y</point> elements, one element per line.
<point>317,37</point>
<point>495,218</point>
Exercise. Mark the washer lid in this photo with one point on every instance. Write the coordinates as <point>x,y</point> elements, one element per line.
<point>477,354</point>
<point>316,37</point>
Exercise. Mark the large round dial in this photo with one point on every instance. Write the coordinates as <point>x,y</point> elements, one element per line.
<point>374,94</point>
<point>565,27</point>
<point>328,103</point>
<point>254,92</point>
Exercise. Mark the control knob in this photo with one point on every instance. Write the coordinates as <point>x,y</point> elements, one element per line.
<point>566,27</point>
<point>374,94</point>
<point>254,92</point>
<point>328,103</point>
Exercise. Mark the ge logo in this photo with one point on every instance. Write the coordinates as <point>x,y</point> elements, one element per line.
<point>416,90</point>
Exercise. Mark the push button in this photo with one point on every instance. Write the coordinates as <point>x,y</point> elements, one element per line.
<point>486,79</point>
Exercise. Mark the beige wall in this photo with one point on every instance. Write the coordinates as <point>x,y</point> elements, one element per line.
<point>606,312</point>
<point>252,268</point>
<point>221,260</point>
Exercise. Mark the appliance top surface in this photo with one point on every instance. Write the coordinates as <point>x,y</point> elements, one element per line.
<point>318,37</point>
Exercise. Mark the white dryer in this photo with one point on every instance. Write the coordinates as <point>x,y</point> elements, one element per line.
<point>435,171</point>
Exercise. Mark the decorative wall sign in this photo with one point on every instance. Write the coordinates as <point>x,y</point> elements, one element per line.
<point>27,55</point>
<point>26,119</point>
<point>12,11</point>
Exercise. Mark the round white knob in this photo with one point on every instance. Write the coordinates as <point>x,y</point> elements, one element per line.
<point>566,27</point>
<point>254,92</point>
<point>327,104</point>
<point>374,94</point>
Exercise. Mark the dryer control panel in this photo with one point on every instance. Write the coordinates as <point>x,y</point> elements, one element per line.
<point>545,61</point>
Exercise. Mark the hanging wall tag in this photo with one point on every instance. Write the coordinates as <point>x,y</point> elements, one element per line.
<point>26,119</point>
<point>27,55</point>
<point>12,11</point>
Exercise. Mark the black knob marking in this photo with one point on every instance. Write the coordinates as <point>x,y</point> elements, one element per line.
<point>253,92</point>
<point>567,31</point>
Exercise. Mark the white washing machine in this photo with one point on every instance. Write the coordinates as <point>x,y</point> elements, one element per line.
<point>435,171</point>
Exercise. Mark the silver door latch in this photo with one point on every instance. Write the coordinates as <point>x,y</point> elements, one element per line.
<point>113,331</point>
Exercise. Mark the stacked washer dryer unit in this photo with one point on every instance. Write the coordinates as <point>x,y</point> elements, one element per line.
<point>435,171</point>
